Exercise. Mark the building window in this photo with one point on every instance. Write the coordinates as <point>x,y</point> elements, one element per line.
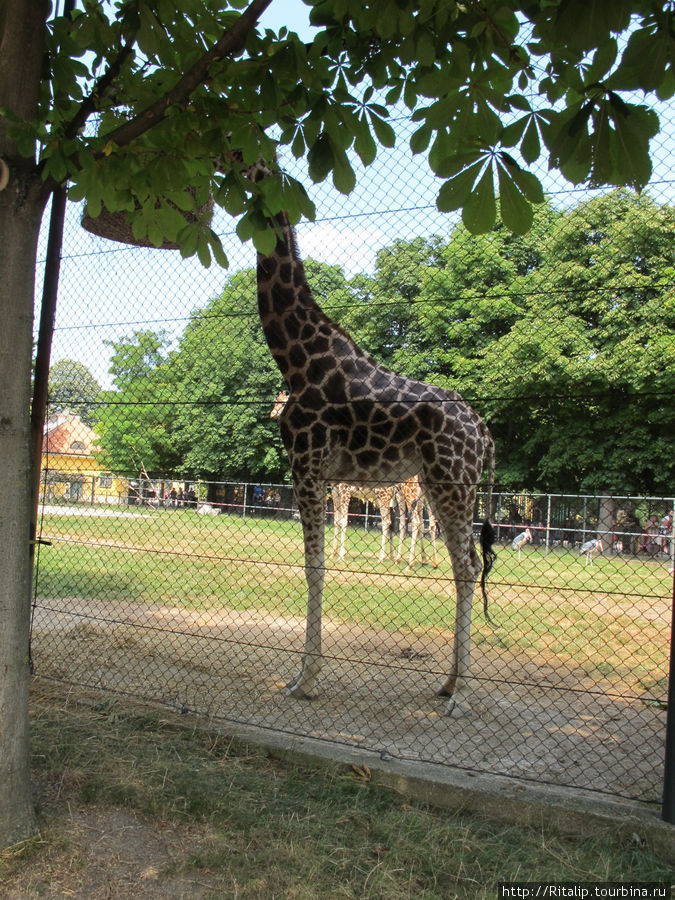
<point>77,445</point>
<point>105,481</point>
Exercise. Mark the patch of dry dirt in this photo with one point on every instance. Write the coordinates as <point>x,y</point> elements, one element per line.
<point>112,854</point>
<point>536,716</point>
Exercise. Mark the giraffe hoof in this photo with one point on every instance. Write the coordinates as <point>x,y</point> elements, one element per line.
<point>448,687</point>
<point>293,689</point>
<point>456,709</point>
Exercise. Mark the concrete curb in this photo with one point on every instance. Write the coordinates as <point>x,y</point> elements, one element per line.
<point>566,810</point>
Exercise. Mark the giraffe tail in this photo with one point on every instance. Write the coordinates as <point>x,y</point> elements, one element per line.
<point>487,539</point>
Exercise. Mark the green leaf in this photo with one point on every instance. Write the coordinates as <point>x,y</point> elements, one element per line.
<point>480,210</point>
<point>666,88</point>
<point>217,249</point>
<point>419,140</point>
<point>455,191</point>
<point>644,61</point>
<point>265,241</point>
<point>514,132</point>
<point>383,130</point>
<point>188,238</point>
<point>272,190</point>
<point>634,125</point>
<point>527,182</point>
<point>516,212</point>
<point>364,144</point>
<point>148,29</point>
<point>231,196</point>
<point>425,49</point>
<point>204,253</point>
<point>441,151</point>
<point>530,147</point>
<point>603,60</point>
<point>320,158</point>
<point>298,145</point>
<point>585,24</point>
<point>410,93</point>
<point>344,178</point>
<point>246,227</point>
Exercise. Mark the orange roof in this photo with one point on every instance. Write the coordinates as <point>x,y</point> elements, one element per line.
<point>67,434</point>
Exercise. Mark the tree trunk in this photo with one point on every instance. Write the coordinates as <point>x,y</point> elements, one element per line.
<point>21,205</point>
<point>17,263</point>
<point>606,520</point>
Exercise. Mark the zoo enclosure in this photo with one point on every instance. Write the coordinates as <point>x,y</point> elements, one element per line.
<point>206,612</point>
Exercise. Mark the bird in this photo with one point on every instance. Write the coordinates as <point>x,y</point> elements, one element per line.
<point>520,540</point>
<point>591,547</point>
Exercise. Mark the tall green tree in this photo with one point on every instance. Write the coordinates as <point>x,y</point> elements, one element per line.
<point>226,385</point>
<point>581,382</point>
<point>133,103</point>
<point>466,302</point>
<point>73,388</point>
<point>134,421</point>
<point>382,311</point>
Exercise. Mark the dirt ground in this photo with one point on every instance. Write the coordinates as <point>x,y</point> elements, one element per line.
<point>121,857</point>
<point>532,718</point>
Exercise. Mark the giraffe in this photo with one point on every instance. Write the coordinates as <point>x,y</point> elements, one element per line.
<point>342,493</point>
<point>383,497</point>
<point>349,419</point>
<point>411,501</point>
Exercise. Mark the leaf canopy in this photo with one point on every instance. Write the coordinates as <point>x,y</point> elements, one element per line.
<point>144,99</point>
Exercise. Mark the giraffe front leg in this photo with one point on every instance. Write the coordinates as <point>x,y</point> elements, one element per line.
<point>310,505</point>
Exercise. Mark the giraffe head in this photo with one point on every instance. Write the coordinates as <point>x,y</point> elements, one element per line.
<point>255,172</point>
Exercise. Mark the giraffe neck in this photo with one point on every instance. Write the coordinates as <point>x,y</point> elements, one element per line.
<point>305,343</point>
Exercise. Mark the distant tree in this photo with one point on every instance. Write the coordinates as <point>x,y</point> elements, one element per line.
<point>73,388</point>
<point>382,310</point>
<point>226,383</point>
<point>134,420</point>
<point>466,302</point>
<point>579,390</point>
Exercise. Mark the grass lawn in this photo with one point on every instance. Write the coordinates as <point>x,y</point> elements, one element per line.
<point>611,617</point>
<point>139,803</point>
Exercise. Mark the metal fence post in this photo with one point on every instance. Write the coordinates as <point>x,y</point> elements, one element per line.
<point>243,508</point>
<point>548,525</point>
<point>668,804</point>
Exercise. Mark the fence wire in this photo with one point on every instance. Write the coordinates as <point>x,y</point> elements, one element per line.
<point>171,565</point>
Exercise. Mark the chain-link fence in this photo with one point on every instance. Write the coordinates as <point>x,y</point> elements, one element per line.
<point>171,562</point>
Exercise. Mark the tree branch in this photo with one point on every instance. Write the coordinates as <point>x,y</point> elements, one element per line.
<point>89,104</point>
<point>232,39</point>
<point>492,25</point>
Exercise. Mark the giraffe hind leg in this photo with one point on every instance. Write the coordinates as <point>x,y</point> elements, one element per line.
<point>455,515</point>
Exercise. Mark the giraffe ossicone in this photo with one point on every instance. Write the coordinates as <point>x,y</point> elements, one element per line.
<point>348,420</point>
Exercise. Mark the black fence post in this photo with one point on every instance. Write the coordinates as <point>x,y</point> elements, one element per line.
<point>668,805</point>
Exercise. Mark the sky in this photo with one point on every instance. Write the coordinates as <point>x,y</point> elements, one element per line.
<point>108,290</point>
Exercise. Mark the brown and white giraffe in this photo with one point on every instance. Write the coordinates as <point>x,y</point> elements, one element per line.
<point>411,503</point>
<point>350,420</point>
